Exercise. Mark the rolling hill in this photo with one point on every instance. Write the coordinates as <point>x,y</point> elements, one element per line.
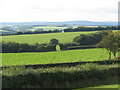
<point>82,23</point>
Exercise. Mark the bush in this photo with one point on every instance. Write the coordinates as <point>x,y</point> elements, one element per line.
<point>51,47</point>
<point>41,48</point>
<point>65,46</point>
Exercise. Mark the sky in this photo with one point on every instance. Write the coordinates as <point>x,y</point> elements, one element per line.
<point>58,10</point>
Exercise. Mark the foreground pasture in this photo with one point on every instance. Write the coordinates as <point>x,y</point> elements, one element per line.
<point>44,38</point>
<point>53,57</point>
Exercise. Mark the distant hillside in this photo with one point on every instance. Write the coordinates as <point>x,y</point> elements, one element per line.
<point>82,23</point>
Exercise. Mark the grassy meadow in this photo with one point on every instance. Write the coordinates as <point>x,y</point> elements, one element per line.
<point>54,57</point>
<point>44,38</point>
<point>50,27</point>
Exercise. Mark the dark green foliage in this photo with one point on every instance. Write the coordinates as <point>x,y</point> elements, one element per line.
<point>90,39</point>
<point>54,41</point>
<point>82,47</point>
<point>51,47</point>
<point>82,28</point>
<point>41,48</point>
<point>68,30</point>
<point>12,47</point>
<point>111,43</point>
<point>19,33</point>
<point>65,46</point>
<point>48,77</point>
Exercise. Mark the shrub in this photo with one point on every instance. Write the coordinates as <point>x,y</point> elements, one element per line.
<point>65,46</point>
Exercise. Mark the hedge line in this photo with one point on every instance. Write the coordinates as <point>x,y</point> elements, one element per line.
<point>49,77</point>
<point>13,47</point>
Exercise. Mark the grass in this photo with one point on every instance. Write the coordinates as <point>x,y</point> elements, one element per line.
<point>50,27</point>
<point>47,28</point>
<point>108,86</point>
<point>43,38</point>
<point>3,30</point>
<point>79,76</point>
<point>53,57</point>
<point>103,87</point>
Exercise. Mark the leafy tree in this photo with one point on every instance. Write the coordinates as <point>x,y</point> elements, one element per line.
<point>54,41</point>
<point>111,43</point>
<point>90,39</point>
<point>82,39</point>
<point>57,48</point>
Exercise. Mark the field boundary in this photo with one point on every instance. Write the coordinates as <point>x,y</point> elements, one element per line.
<point>68,64</point>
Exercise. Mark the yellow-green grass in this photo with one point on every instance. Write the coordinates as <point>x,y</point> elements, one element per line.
<point>3,31</point>
<point>50,27</point>
<point>104,87</point>
<point>108,86</point>
<point>53,57</point>
<point>115,30</point>
<point>43,38</point>
<point>31,29</point>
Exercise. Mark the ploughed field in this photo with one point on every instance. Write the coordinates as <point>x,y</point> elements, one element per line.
<point>9,59</point>
<point>44,38</point>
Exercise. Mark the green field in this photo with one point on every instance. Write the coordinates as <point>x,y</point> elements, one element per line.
<point>43,38</point>
<point>53,57</point>
<point>50,27</point>
<point>47,28</point>
<point>3,30</point>
<point>108,86</point>
<point>111,87</point>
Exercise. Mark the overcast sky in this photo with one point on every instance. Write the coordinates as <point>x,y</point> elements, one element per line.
<point>58,10</point>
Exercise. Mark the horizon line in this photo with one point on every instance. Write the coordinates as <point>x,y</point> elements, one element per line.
<point>54,21</point>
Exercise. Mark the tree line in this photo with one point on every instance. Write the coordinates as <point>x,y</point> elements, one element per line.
<point>90,39</point>
<point>13,47</point>
<point>81,28</point>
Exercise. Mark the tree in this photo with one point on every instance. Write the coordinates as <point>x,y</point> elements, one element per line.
<point>82,39</point>
<point>111,43</point>
<point>90,39</point>
<point>54,41</point>
<point>57,48</point>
